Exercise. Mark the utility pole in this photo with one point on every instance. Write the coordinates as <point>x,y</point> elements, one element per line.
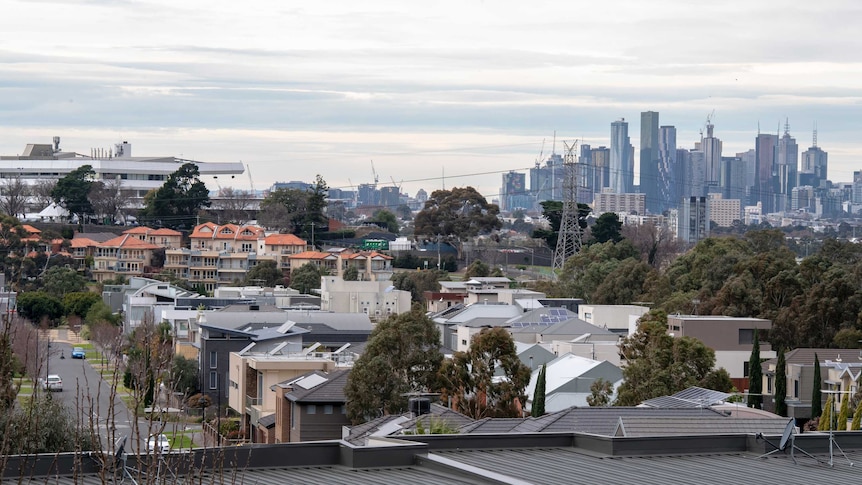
<point>569,238</point>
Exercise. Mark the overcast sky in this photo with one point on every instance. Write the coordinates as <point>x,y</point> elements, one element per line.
<point>463,89</point>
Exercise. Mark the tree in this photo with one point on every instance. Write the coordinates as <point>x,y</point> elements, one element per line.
<point>177,202</point>
<point>843,413</point>
<point>61,280</point>
<point>79,303</point>
<point>402,356</point>
<point>816,399</point>
<point>755,375</point>
<point>461,212</point>
<point>41,192</point>
<point>826,418</point>
<point>607,228</point>
<point>538,407</point>
<point>283,208</point>
<point>305,278</point>
<point>39,306</point>
<point>233,205</point>
<point>416,282</point>
<point>552,211</point>
<point>476,269</point>
<point>781,384</point>
<point>600,393</point>
<point>266,273</point>
<point>386,220</point>
<point>109,199</point>
<point>660,365</point>
<point>183,376</point>
<point>471,378</point>
<point>13,196</point>
<point>857,418</point>
<point>73,191</point>
<point>351,274</point>
<point>657,243</point>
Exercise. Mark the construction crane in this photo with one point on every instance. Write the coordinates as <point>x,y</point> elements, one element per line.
<point>374,172</point>
<point>355,193</point>
<point>397,186</point>
<point>250,181</point>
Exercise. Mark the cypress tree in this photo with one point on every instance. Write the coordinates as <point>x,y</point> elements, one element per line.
<point>755,375</point>
<point>781,385</point>
<point>843,413</point>
<point>816,402</point>
<point>857,418</point>
<point>538,407</point>
<point>825,423</point>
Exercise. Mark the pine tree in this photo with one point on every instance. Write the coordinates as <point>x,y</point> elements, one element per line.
<point>816,402</point>
<point>781,384</point>
<point>755,375</point>
<point>538,407</point>
<point>843,413</point>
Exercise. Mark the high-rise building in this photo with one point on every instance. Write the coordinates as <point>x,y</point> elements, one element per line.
<point>514,192</point>
<point>649,161</point>
<point>668,170</point>
<point>749,158</point>
<point>724,212</point>
<point>711,148</point>
<point>695,184</point>
<point>546,182</point>
<point>601,160</point>
<point>693,223</point>
<point>786,166</point>
<point>621,163</point>
<point>732,178</point>
<point>765,147</point>
<point>814,165</point>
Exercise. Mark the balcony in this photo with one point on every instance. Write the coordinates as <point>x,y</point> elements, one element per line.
<point>252,401</point>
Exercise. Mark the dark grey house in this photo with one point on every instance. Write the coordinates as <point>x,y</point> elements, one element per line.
<point>311,407</point>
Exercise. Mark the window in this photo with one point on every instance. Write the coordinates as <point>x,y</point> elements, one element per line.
<point>311,409</point>
<point>746,367</point>
<point>213,380</point>
<point>769,384</point>
<point>327,409</point>
<point>746,337</point>
<point>343,409</point>
<point>213,359</point>
<point>796,388</point>
<point>292,414</point>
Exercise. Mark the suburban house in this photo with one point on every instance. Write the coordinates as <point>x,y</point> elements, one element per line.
<point>568,379</point>
<point>238,327</point>
<point>376,298</point>
<point>255,371</point>
<point>620,319</point>
<point>458,324</point>
<point>307,408</point>
<point>332,330</point>
<point>730,337</point>
<point>124,255</point>
<point>280,247</point>
<point>545,325</point>
<point>839,371</point>
<point>163,237</point>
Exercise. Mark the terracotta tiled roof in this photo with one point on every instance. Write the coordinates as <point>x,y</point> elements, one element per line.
<point>128,242</point>
<point>83,242</point>
<point>311,255</point>
<point>367,255</point>
<point>209,230</point>
<point>137,230</point>
<point>30,229</point>
<point>164,232</point>
<point>284,240</point>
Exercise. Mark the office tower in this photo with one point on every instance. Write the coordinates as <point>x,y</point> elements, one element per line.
<point>513,194</point>
<point>390,197</point>
<point>546,182</point>
<point>693,220</point>
<point>683,163</point>
<point>802,198</point>
<point>621,167</point>
<point>650,182</point>
<point>585,159</point>
<point>748,159</point>
<point>732,178</point>
<point>786,164</point>
<point>668,173</point>
<point>711,148</point>
<point>695,183</point>
<point>765,147</point>
<point>814,164</point>
<point>601,159</point>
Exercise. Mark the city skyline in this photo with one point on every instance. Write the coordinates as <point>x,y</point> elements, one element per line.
<point>430,93</point>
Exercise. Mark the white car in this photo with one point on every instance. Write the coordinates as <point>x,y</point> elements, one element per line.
<point>158,443</point>
<point>53,383</point>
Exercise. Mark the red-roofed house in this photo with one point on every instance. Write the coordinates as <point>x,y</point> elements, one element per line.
<point>328,261</point>
<point>124,255</point>
<point>372,266</point>
<point>165,238</point>
<point>280,247</point>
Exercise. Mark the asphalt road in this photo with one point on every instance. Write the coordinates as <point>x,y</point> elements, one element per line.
<point>89,396</point>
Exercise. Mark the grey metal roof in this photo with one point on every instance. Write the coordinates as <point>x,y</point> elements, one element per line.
<point>336,321</point>
<point>701,425</point>
<point>267,421</point>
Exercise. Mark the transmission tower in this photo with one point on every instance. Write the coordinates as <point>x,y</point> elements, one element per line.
<point>569,239</point>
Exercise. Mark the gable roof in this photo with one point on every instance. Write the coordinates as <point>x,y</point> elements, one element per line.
<point>284,240</point>
<point>127,241</point>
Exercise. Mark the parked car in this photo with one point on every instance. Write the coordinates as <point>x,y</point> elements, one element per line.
<point>78,353</point>
<point>158,443</point>
<point>53,383</point>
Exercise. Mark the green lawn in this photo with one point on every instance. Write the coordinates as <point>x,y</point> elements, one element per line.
<point>180,440</point>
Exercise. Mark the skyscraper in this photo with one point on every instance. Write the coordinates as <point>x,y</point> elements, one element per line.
<point>668,171</point>
<point>765,147</point>
<point>786,166</point>
<point>649,161</point>
<point>621,170</point>
<point>814,165</point>
<point>711,147</point>
<point>601,159</point>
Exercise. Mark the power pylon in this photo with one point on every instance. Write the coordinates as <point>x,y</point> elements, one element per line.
<point>569,238</point>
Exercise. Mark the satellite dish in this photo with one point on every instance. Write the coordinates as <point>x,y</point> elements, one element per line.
<point>788,431</point>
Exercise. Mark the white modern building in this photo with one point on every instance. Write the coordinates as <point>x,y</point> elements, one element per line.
<point>139,175</point>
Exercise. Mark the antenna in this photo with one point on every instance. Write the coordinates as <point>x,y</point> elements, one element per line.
<point>815,134</point>
<point>787,126</point>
